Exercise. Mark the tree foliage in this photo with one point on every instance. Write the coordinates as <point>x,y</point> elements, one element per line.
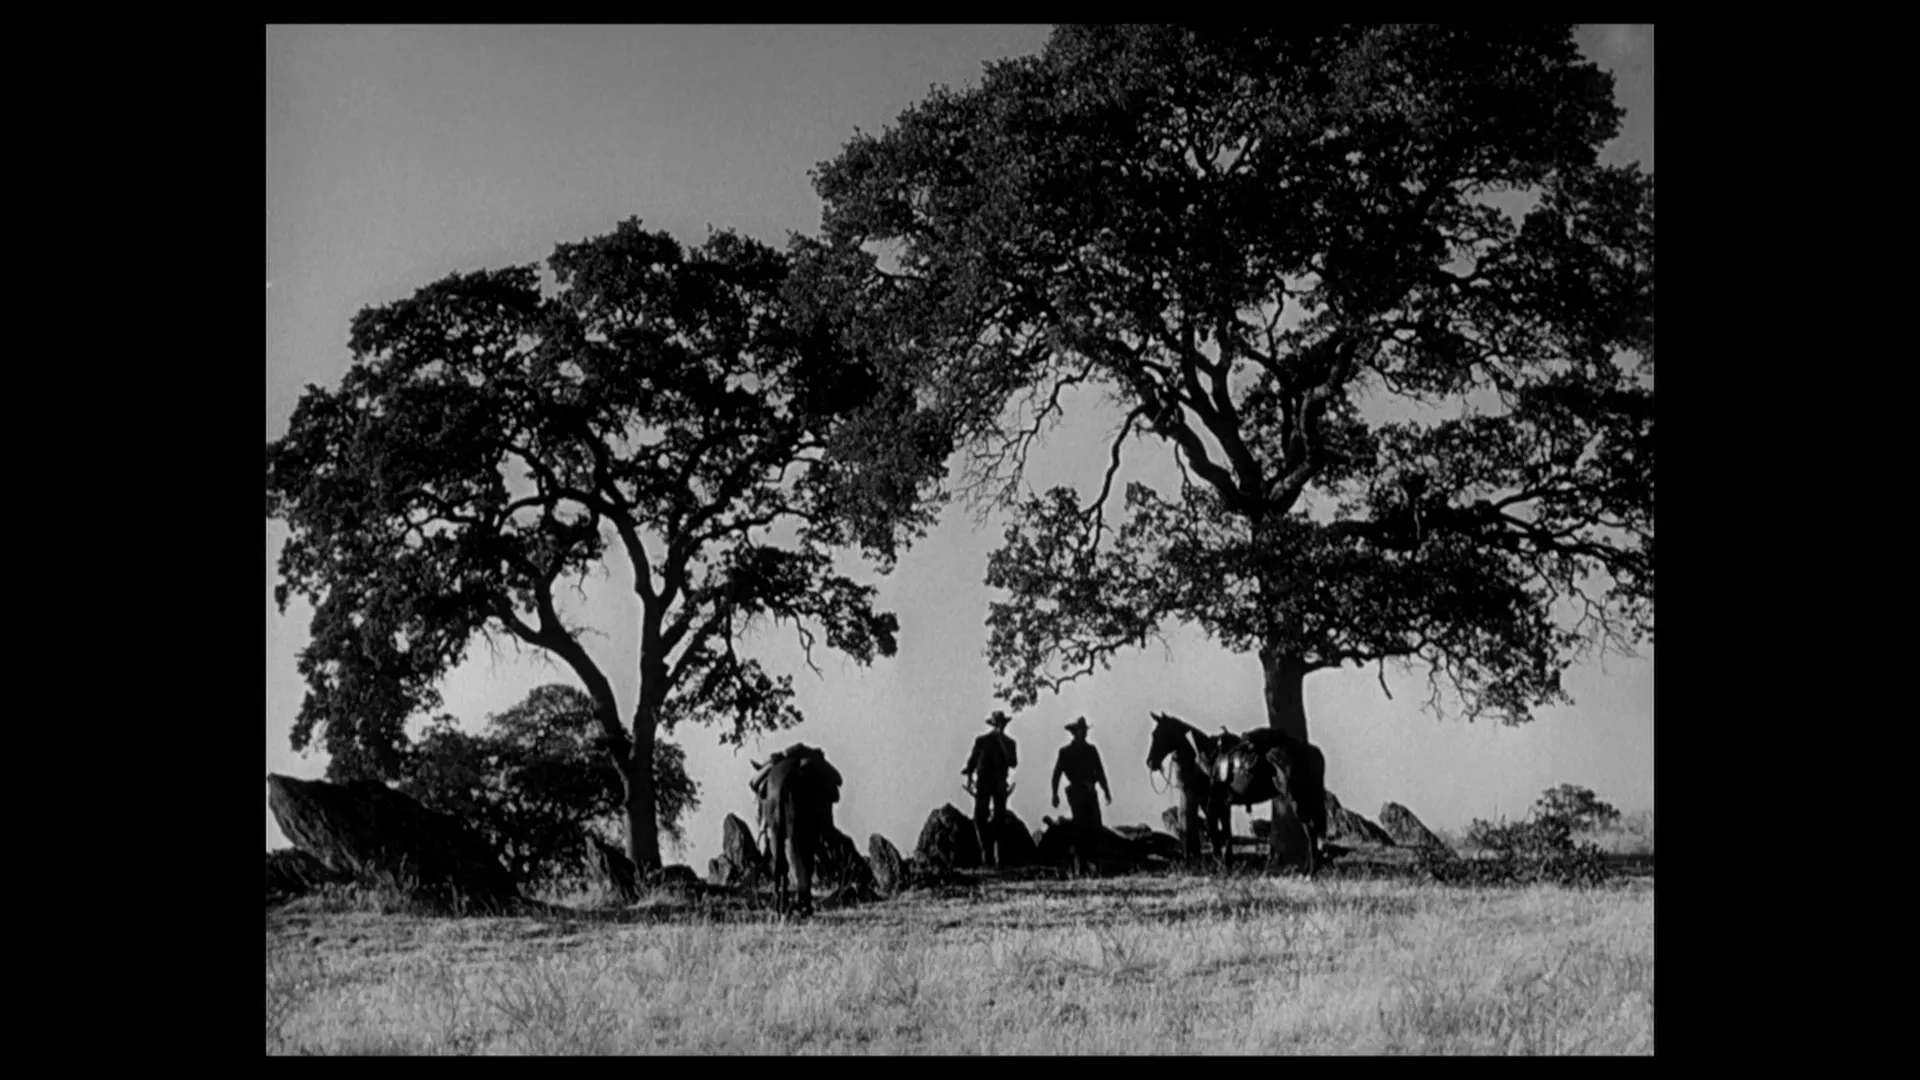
<point>492,441</point>
<point>538,781</point>
<point>1242,237</point>
<point>1579,807</point>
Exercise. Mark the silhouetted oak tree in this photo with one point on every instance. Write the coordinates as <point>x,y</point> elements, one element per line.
<point>1241,235</point>
<point>489,443</point>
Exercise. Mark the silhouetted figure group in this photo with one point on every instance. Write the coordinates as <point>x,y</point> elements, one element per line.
<point>797,788</point>
<point>990,767</point>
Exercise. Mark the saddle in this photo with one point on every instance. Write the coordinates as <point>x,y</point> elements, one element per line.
<point>1247,752</point>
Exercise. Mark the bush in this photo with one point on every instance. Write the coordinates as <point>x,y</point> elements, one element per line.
<point>1540,849</point>
<point>538,782</point>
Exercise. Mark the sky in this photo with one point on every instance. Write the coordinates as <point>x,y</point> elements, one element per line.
<point>398,155</point>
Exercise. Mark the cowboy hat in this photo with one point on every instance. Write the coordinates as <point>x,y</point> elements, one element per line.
<point>1078,725</point>
<point>999,719</point>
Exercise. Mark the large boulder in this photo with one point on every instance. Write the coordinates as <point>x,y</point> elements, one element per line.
<point>1346,827</point>
<point>292,872</point>
<point>889,871</point>
<point>614,869</point>
<point>947,841</point>
<point>741,861</point>
<point>840,865</point>
<point>1407,830</point>
<point>376,834</point>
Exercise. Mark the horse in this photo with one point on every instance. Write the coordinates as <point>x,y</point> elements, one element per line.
<point>1262,765</point>
<point>797,791</point>
<point>1193,752</point>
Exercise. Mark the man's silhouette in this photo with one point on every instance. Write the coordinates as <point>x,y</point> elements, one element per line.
<point>1080,763</point>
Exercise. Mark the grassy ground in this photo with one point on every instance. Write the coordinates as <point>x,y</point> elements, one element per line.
<point>1139,965</point>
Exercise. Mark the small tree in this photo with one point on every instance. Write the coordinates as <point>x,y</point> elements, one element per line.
<point>1578,807</point>
<point>538,780</point>
<point>490,442</point>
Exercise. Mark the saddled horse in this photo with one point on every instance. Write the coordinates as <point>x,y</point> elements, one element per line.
<point>1228,770</point>
<point>1193,752</point>
<point>797,790</point>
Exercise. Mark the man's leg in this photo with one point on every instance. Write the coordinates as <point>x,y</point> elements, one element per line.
<point>983,824</point>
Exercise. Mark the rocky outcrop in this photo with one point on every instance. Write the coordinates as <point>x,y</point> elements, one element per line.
<point>1406,830</point>
<point>1173,819</point>
<point>614,870</point>
<point>292,872</point>
<point>947,841</point>
<point>376,834</point>
<point>889,870</point>
<point>1346,827</point>
<point>840,866</point>
<point>740,862</point>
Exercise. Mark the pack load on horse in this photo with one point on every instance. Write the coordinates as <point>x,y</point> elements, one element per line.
<point>796,790</point>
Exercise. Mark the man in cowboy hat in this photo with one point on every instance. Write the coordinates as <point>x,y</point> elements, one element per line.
<point>1080,764</point>
<point>994,757</point>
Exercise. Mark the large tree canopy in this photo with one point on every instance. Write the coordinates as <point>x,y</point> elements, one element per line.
<point>489,443</point>
<point>1250,239</point>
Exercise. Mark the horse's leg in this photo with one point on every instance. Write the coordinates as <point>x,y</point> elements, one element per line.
<point>802,870</point>
<point>779,846</point>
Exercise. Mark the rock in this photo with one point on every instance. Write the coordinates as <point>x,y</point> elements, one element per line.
<point>719,870</point>
<point>947,841</point>
<point>1064,843</point>
<point>1015,840</point>
<point>677,876</point>
<point>889,872</point>
<point>742,860</point>
<point>292,872</point>
<point>839,865</point>
<point>614,869</point>
<point>377,834</point>
<point>1347,827</point>
<point>1173,819</point>
<point>1156,843</point>
<point>1399,823</point>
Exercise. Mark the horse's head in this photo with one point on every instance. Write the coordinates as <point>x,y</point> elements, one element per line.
<point>1169,734</point>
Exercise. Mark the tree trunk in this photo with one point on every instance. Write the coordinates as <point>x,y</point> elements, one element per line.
<point>643,824</point>
<point>1286,712</point>
<point>1286,699</point>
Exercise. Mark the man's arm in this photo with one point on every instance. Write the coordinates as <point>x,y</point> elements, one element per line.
<point>1100,774</point>
<point>1059,766</point>
<point>973,761</point>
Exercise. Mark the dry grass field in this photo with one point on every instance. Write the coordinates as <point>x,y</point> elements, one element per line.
<point>1151,964</point>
